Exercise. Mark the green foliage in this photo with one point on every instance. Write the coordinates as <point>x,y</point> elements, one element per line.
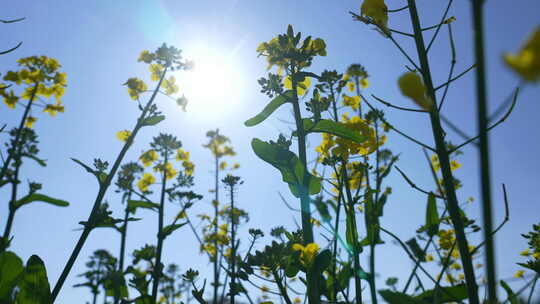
<point>33,283</point>
<point>332,127</point>
<point>432,215</point>
<point>269,109</point>
<point>11,267</point>
<point>133,205</point>
<point>292,170</point>
<point>37,197</point>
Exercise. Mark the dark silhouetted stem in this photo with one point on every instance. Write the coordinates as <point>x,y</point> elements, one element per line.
<point>160,236</point>
<point>442,153</point>
<point>485,177</point>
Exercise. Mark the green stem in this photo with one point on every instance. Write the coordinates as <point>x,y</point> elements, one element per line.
<point>159,250</point>
<point>233,249</point>
<point>281,288</point>
<point>12,209</point>
<point>10,156</point>
<point>442,153</point>
<point>101,194</point>
<point>216,211</point>
<point>485,176</point>
<point>123,236</point>
<point>305,201</point>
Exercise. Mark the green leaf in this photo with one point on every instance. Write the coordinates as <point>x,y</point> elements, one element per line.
<point>36,197</point>
<point>445,294</point>
<point>33,283</point>
<point>269,109</point>
<point>394,297</point>
<point>432,215</point>
<point>11,266</point>
<point>167,230</point>
<point>332,127</point>
<point>134,204</point>
<point>100,176</point>
<point>115,285</point>
<point>153,120</point>
<point>322,261</point>
<point>511,295</point>
<point>90,170</point>
<point>41,162</point>
<point>290,166</point>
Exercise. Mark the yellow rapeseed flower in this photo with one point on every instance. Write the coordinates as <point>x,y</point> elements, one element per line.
<point>525,252</point>
<point>223,165</point>
<point>307,253</point>
<point>146,57</point>
<point>10,99</point>
<point>353,102</point>
<point>149,157</point>
<point>376,10</point>
<point>29,123</point>
<point>527,61</point>
<point>301,86</point>
<point>182,155</point>
<point>53,109</point>
<point>123,135</point>
<point>135,87</point>
<point>519,274</point>
<point>412,86</point>
<point>155,71</point>
<point>147,180</point>
<point>170,85</point>
<point>170,172</point>
<point>364,83</point>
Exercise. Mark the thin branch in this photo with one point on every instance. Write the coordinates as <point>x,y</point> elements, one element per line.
<point>452,66</point>
<point>439,26</point>
<point>11,49</point>
<point>411,256</point>
<point>505,220</point>
<point>386,32</point>
<point>388,104</point>
<point>457,77</point>
<point>492,126</point>
<point>415,186</point>
<point>393,128</point>
<point>12,21</point>
<point>399,9</point>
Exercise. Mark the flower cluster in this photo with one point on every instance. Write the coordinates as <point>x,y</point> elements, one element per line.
<point>40,77</point>
<point>337,146</point>
<point>307,253</point>
<point>286,51</point>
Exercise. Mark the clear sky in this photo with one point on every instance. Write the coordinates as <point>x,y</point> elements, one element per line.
<point>98,42</point>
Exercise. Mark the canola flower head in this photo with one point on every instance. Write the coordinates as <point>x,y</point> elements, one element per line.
<point>170,171</point>
<point>146,181</point>
<point>123,135</point>
<point>307,253</point>
<point>149,157</point>
<point>135,87</point>
<point>526,63</point>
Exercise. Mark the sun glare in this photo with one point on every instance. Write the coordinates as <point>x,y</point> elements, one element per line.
<point>214,86</point>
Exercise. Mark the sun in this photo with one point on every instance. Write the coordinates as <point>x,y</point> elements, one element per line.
<point>215,85</point>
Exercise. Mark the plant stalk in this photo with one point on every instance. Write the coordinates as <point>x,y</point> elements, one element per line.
<point>442,153</point>
<point>160,237</point>
<point>485,176</point>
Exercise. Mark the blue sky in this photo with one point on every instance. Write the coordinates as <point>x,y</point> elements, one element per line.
<point>98,42</point>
